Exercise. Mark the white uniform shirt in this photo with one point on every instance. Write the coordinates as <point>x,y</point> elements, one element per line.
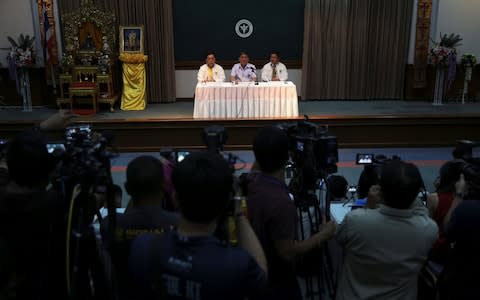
<point>218,73</point>
<point>282,73</point>
<point>245,74</point>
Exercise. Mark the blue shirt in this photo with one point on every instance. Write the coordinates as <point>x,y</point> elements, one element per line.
<point>172,266</point>
<point>248,73</point>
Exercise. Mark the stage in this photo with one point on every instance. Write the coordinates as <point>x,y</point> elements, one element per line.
<point>356,124</point>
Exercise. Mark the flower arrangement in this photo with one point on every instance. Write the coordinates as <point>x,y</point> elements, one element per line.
<point>23,51</point>
<point>469,60</point>
<point>440,56</point>
<point>444,53</point>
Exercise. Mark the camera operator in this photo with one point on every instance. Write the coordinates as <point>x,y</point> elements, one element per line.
<point>191,263</point>
<point>32,220</point>
<point>462,222</point>
<point>385,248</point>
<point>146,186</point>
<point>274,216</point>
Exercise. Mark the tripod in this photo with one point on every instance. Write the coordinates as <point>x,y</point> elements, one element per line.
<point>316,268</point>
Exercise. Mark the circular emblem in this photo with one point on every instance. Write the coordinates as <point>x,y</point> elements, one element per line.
<point>244,28</point>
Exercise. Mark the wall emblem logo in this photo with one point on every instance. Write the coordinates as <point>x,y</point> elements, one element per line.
<point>244,28</point>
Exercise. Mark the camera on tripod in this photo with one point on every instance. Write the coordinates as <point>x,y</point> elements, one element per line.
<point>83,170</point>
<point>311,147</point>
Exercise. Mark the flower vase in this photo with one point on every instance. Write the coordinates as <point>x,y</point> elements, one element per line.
<point>468,77</point>
<point>25,90</point>
<point>439,86</point>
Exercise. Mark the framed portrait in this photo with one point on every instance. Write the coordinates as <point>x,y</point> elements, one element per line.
<point>131,39</point>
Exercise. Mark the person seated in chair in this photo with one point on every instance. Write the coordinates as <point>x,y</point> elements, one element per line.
<point>243,71</point>
<point>211,71</point>
<point>274,70</point>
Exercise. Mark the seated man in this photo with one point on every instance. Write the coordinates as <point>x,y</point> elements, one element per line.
<point>274,70</point>
<point>274,216</point>
<point>243,71</point>
<point>191,263</point>
<point>385,248</point>
<point>145,184</point>
<point>210,71</point>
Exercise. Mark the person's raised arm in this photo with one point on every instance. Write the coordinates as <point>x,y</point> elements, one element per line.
<point>432,204</point>
<point>248,241</point>
<point>57,121</point>
<point>460,188</point>
<point>288,250</point>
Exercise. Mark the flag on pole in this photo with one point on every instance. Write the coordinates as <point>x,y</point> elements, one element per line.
<point>49,39</point>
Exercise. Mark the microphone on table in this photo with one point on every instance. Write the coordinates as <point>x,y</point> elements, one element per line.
<point>254,72</point>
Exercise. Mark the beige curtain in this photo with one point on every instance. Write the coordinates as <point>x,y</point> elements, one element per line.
<point>355,49</point>
<point>157,17</point>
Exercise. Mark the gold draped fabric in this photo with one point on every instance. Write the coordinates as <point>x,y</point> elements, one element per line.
<point>134,81</point>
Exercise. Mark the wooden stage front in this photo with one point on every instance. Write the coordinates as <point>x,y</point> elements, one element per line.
<point>357,124</point>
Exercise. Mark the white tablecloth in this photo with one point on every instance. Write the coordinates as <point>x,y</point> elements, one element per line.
<point>246,100</point>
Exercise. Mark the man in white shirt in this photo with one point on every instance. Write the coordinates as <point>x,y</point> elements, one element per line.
<point>385,248</point>
<point>211,72</point>
<point>243,71</point>
<point>274,70</point>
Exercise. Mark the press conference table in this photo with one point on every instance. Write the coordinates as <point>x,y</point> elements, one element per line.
<point>245,100</point>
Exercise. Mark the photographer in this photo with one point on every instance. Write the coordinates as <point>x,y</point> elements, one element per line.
<point>274,216</point>
<point>146,186</point>
<point>32,220</point>
<point>385,248</point>
<point>462,222</point>
<point>190,263</point>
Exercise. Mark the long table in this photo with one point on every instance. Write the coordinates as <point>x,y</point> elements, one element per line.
<point>245,100</point>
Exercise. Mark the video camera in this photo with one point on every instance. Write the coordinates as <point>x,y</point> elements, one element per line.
<point>83,170</point>
<point>312,148</point>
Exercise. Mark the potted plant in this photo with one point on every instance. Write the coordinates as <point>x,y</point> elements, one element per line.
<point>21,58</point>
